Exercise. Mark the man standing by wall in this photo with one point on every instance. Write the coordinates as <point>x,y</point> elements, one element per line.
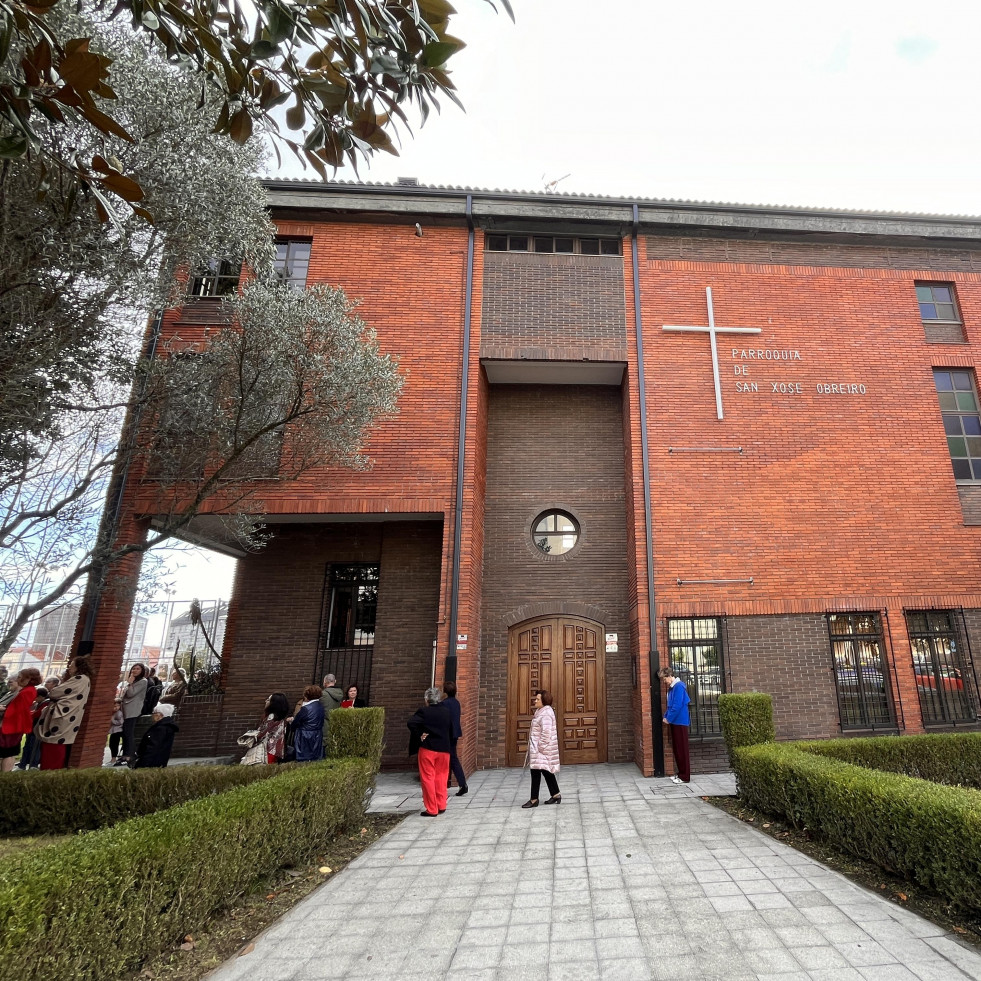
<point>676,716</point>
<point>456,733</point>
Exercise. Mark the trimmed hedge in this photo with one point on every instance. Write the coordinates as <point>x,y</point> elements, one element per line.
<point>924,831</point>
<point>159,877</point>
<point>356,732</point>
<point>746,719</point>
<point>64,801</point>
<point>948,758</point>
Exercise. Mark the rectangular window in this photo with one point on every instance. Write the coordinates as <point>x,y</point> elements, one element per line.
<point>292,262</point>
<point>962,422</point>
<point>864,699</point>
<point>937,302</point>
<point>695,652</point>
<point>553,243</point>
<point>219,277</point>
<point>347,626</point>
<point>941,682</point>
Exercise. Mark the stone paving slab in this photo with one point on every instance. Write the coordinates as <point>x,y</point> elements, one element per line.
<point>628,878</point>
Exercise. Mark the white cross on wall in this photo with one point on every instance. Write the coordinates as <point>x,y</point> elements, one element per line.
<point>712,330</point>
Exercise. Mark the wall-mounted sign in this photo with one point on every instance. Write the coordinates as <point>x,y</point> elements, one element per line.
<point>462,638</point>
<point>612,638</point>
<point>612,648</point>
<point>461,647</point>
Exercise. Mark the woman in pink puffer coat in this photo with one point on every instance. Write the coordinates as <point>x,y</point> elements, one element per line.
<point>543,750</point>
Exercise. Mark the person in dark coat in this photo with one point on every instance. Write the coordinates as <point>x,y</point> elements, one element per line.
<point>431,729</point>
<point>449,688</point>
<point>308,726</point>
<point>158,741</point>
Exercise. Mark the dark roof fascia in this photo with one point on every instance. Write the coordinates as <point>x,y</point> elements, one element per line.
<point>519,210</point>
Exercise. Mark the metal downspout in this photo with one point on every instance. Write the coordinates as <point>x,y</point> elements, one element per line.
<point>449,673</point>
<point>653,657</point>
<point>114,506</point>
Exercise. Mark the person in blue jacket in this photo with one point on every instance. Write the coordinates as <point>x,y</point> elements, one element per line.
<point>676,716</point>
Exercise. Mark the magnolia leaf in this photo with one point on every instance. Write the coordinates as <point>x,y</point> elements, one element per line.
<point>125,187</point>
<point>81,69</point>
<point>296,116</point>
<point>437,53</point>
<point>104,123</point>
<point>13,146</point>
<point>240,126</point>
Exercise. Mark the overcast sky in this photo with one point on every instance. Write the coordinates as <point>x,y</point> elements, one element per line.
<point>866,105</point>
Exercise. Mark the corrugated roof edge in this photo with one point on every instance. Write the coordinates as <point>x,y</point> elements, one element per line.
<point>611,199</point>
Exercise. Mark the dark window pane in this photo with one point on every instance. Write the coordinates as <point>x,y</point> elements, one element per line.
<point>589,246</point>
<point>962,469</point>
<point>943,381</point>
<point>957,446</point>
<point>942,294</point>
<point>974,446</point>
<point>610,247</point>
<point>948,402</point>
<point>543,244</point>
<point>966,402</point>
<point>924,294</point>
<point>518,243</point>
<point>945,311</point>
<point>497,243</point>
<point>971,424</point>
<point>928,311</point>
<point>962,381</point>
<point>565,245</point>
<point>952,425</point>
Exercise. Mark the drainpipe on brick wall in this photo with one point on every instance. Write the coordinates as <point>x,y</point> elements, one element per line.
<point>449,671</point>
<point>114,505</point>
<point>653,657</point>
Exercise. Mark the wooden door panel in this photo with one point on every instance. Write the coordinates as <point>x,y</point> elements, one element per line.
<point>577,683</point>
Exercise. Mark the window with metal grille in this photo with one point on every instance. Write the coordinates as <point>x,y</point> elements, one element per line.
<point>962,422</point>
<point>562,244</point>
<point>861,679</point>
<point>347,626</point>
<point>219,277</point>
<point>695,652</point>
<point>937,302</point>
<point>292,262</point>
<point>941,682</point>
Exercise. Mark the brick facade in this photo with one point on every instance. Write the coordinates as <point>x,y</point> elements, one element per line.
<point>827,486</point>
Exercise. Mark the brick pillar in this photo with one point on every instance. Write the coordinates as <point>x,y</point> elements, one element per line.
<point>109,645</point>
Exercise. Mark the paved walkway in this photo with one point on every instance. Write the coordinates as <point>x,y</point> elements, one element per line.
<point>627,879</point>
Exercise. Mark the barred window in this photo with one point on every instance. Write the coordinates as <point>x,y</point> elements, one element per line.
<point>861,679</point>
<point>353,599</point>
<point>219,277</point>
<point>941,681</point>
<point>696,657</point>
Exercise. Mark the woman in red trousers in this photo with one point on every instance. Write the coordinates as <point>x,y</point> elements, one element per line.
<point>431,729</point>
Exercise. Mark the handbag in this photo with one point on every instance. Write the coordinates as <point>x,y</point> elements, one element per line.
<point>248,739</point>
<point>257,754</point>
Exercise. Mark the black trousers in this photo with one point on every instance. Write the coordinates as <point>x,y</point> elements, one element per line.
<point>456,767</point>
<point>129,737</point>
<point>536,782</point>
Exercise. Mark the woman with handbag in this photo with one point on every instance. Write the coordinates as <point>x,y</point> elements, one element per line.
<point>16,710</point>
<point>308,726</point>
<point>268,743</point>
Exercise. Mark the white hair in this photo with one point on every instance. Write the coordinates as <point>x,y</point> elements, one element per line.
<point>163,708</point>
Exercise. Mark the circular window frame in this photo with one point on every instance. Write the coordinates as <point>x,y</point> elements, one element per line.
<point>541,513</point>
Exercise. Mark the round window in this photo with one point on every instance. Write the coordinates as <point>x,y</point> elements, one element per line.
<point>555,532</point>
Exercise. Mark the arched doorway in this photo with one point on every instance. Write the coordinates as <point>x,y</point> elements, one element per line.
<point>564,655</point>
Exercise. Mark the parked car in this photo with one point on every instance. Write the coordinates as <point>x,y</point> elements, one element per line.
<point>950,678</point>
<point>872,679</point>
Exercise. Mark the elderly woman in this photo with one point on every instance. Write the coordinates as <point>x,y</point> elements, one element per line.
<point>174,690</point>
<point>543,750</point>
<point>308,726</point>
<point>132,695</point>
<point>16,710</point>
<point>58,723</point>
<point>158,741</point>
<point>432,728</point>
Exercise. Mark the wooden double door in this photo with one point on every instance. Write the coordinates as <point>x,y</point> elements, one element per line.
<point>566,656</point>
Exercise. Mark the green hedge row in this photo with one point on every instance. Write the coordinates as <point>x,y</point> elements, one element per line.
<point>746,719</point>
<point>356,732</point>
<point>914,828</point>
<point>948,758</point>
<point>63,801</point>
<point>98,905</point>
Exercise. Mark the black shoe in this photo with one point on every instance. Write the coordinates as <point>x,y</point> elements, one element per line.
<point>531,803</point>
<point>443,811</point>
<point>557,799</point>
<point>463,790</point>
<point>426,814</point>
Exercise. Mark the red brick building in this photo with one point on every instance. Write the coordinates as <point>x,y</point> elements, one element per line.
<point>792,499</point>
